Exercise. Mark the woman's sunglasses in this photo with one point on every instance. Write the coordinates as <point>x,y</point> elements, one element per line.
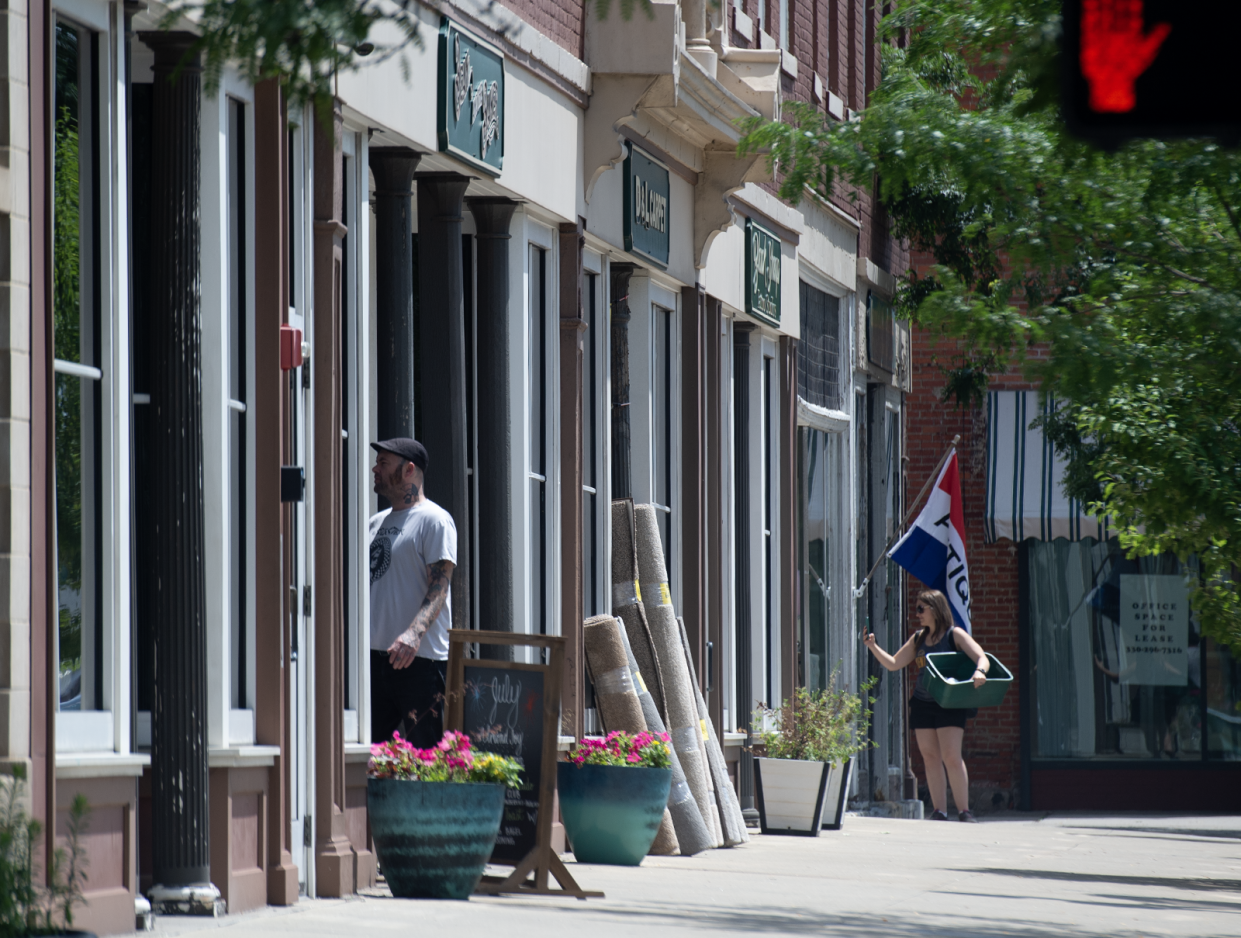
<point>919,609</point>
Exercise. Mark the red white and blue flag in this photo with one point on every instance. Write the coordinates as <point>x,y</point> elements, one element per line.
<point>933,549</point>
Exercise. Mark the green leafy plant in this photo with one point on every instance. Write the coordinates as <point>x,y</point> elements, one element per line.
<point>1110,278</point>
<point>637,750</point>
<point>451,760</point>
<point>826,725</point>
<point>28,906</point>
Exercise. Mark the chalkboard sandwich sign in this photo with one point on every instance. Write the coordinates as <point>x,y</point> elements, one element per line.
<point>513,709</point>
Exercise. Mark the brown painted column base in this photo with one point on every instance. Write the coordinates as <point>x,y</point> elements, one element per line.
<point>282,882</point>
<point>334,864</point>
<point>281,873</point>
<point>239,806</point>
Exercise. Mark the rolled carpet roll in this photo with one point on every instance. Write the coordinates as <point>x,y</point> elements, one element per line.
<point>615,694</point>
<point>626,601</point>
<point>732,823</point>
<point>691,828</point>
<point>680,709</point>
<point>607,660</point>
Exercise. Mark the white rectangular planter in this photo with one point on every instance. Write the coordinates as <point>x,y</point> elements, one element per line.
<point>799,797</point>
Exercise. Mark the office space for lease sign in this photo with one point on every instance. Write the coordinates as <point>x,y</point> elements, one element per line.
<point>1154,629</point>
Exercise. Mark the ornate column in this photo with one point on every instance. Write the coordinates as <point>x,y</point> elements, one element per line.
<point>394,290</point>
<point>180,819</point>
<point>441,304</point>
<point>741,514</point>
<point>572,353</point>
<point>622,481</point>
<point>333,850</point>
<point>492,217</point>
<point>271,517</point>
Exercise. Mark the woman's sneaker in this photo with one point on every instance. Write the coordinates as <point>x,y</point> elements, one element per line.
<point>937,815</point>
<point>966,817</point>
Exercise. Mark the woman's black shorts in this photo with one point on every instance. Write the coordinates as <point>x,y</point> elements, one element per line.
<point>928,715</point>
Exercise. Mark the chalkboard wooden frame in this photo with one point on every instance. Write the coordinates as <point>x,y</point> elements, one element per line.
<point>532,875</point>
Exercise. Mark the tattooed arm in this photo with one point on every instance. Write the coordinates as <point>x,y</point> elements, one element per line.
<point>439,580</point>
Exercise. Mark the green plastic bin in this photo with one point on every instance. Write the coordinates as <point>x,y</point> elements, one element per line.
<point>951,680</point>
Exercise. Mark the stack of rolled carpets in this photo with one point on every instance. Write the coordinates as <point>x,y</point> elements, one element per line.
<point>680,708</point>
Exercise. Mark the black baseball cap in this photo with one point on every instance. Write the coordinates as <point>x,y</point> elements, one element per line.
<point>406,448</point>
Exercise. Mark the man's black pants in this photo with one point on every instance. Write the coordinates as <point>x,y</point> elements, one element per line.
<point>414,695</point>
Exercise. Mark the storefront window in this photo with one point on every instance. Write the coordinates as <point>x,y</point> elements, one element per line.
<point>822,606</point>
<point>1118,666</point>
<point>77,352</point>
<point>536,366</point>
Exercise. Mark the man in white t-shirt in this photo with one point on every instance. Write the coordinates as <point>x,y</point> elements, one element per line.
<point>413,553</point>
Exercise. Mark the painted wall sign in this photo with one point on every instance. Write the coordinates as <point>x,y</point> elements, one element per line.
<point>470,112</point>
<point>762,273</point>
<point>1154,630</point>
<point>646,207</point>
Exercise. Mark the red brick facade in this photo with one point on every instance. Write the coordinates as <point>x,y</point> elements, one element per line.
<point>562,21</point>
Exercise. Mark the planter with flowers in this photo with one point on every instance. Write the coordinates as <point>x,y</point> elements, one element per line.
<point>803,760</point>
<point>435,814</point>
<point>612,796</point>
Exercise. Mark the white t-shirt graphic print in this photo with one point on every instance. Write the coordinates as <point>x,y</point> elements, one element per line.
<point>403,545</point>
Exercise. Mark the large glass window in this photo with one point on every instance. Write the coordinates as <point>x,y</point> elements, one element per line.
<point>78,376</point>
<point>590,452</point>
<point>770,669</point>
<point>537,372</point>
<point>238,393</point>
<point>823,604</point>
<point>818,352</point>
<point>1118,668</point>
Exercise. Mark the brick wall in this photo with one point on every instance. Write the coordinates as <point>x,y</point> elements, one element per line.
<point>993,739</point>
<point>562,21</point>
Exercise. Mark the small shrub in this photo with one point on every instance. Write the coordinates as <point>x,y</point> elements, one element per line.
<point>827,725</point>
<point>28,907</point>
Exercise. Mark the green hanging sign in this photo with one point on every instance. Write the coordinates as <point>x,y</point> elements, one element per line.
<point>646,207</point>
<point>762,273</point>
<point>470,111</point>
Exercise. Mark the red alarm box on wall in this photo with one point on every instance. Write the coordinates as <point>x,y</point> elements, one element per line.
<point>290,348</point>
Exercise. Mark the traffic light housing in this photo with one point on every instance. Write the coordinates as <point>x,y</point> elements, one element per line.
<point>1151,68</point>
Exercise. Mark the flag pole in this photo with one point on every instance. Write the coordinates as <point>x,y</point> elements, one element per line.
<point>861,589</point>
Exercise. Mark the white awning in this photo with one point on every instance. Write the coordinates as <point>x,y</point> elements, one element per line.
<point>1025,498</point>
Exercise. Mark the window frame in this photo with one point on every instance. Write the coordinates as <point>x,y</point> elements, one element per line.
<point>231,645</point>
<point>108,726</point>
<point>527,232</point>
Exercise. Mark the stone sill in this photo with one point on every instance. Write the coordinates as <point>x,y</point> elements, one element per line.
<point>100,764</point>
<point>242,757</point>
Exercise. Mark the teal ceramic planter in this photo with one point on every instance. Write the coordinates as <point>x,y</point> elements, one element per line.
<point>433,839</point>
<point>611,813</point>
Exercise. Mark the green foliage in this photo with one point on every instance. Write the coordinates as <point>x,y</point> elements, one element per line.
<point>304,44</point>
<point>1123,265</point>
<point>28,907</point>
<point>827,725</point>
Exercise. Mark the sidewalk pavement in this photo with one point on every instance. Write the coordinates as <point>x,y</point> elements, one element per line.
<point>1030,875</point>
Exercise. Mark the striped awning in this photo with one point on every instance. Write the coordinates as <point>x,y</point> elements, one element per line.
<point>1025,498</point>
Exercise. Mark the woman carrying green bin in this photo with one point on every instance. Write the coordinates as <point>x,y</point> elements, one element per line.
<point>939,730</point>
